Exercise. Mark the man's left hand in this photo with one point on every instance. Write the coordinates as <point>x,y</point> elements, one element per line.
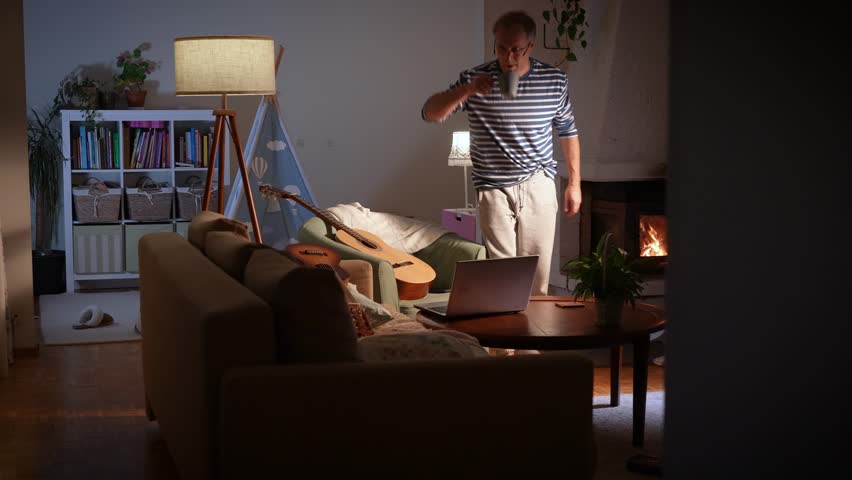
<point>573,199</point>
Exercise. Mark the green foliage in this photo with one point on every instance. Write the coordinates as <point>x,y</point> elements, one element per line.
<point>78,91</point>
<point>605,274</point>
<point>45,164</point>
<point>569,17</point>
<point>134,67</point>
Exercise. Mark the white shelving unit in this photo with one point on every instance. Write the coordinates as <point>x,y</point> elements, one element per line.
<point>177,122</point>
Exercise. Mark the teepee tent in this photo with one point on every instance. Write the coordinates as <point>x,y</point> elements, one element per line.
<point>272,160</point>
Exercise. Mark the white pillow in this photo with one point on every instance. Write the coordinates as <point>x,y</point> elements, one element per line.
<point>377,314</point>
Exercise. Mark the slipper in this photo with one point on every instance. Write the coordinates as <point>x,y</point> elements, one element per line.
<point>92,317</point>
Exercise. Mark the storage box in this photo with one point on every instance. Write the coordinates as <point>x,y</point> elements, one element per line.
<point>96,203</point>
<point>98,249</point>
<point>463,221</point>
<point>132,235</point>
<point>150,203</point>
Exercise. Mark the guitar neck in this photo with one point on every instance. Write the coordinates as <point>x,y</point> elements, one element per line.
<point>321,214</point>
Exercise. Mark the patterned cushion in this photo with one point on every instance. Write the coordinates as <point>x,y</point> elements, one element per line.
<point>443,344</point>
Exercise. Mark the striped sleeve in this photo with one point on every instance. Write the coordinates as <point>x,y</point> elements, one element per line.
<point>563,122</point>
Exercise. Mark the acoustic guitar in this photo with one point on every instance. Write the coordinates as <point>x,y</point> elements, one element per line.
<point>319,257</point>
<point>413,276</point>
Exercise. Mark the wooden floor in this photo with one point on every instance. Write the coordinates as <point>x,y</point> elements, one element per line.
<point>77,412</point>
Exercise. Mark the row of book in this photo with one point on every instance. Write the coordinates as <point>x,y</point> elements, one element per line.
<point>194,148</point>
<point>95,148</point>
<point>98,148</point>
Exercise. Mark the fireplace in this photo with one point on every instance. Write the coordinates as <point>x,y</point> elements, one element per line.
<point>634,211</point>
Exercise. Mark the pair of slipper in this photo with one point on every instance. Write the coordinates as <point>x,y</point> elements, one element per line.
<point>93,317</point>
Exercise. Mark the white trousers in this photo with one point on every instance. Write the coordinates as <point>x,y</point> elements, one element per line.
<point>521,220</point>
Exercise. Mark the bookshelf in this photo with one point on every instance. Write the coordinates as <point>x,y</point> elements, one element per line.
<point>122,148</point>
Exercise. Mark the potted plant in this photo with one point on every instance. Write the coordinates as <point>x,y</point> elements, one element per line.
<point>134,70</point>
<point>79,92</point>
<point>570,19</point>
<point>606,276</point>
<point>45,164</point>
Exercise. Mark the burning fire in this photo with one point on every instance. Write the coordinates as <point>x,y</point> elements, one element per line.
<point>653,236</point>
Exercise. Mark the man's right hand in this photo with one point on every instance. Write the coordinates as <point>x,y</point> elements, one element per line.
<point>481,85</point>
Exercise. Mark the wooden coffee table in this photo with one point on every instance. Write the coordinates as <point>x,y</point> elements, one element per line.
<point>544,326</point>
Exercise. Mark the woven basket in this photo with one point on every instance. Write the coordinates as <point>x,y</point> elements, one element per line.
<point>96,203</point>
<point>191,197</point>
<point>149,201</point>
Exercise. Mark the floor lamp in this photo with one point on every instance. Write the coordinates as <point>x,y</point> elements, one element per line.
<point>222,66</point>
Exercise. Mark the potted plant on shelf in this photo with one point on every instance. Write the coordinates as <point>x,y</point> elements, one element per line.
<point>79,92</point>
<point>134,70</point>
<point>606,276</point>
<point>45,163</point>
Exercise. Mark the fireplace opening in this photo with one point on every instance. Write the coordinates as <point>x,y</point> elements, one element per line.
<point>653,238</point>
<point>634,212</point>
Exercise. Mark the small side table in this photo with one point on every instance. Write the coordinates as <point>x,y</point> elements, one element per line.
<point>463,221</point>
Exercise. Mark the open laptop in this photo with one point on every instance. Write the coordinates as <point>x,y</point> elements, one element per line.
<point>491,286</point>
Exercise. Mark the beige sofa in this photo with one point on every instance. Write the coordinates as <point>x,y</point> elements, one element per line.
<point>229,407</point>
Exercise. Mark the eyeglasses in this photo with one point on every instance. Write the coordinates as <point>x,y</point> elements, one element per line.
<point>517,51</point>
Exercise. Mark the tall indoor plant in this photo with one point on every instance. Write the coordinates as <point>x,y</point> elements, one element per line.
<point>44,142</point>
<point>606,276</point>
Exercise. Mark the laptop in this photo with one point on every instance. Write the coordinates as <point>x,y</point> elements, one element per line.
<point>490,286</point>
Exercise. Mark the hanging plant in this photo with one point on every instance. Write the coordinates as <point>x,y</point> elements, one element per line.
<point>569,19</point>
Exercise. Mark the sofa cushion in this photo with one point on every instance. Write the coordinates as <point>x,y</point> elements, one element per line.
<point>312,320</point>
<point>230,252</point>
<point>207,221</point>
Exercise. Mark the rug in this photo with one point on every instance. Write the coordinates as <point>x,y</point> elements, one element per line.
<point>59,312</point>
<point>614,433</point>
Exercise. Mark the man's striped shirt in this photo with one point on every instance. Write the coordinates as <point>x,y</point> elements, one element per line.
<point>512,139</point>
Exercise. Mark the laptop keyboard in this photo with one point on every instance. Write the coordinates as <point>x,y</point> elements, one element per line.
<point>439,309</point>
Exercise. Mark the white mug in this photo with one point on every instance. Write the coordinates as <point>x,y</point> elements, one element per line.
<point>508,82</point>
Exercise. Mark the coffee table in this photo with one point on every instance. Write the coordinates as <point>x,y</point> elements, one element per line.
<point>545,326</point>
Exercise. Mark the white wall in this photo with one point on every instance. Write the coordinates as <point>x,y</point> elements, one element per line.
<point>352,81</point>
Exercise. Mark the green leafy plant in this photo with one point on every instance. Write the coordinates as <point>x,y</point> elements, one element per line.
<point>78,91</point>
<point>134,67</point>
<point>605,274</point>
<point>569,17</point>
<point>45,163</point>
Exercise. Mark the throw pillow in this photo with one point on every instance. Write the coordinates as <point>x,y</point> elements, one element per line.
<point>312,319</point>
<point>207,221</point>
<point>376,313</point>
<point>428,345</point>
<point>230,252</point>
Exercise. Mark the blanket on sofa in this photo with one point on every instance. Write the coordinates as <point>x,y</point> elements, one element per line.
<point>402,233</point>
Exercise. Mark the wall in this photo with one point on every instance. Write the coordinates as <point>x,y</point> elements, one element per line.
<point>758,300</point>
<point>14,180</point>
<point>353,78</point>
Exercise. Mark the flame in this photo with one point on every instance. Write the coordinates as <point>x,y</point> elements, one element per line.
<point>653,242</point>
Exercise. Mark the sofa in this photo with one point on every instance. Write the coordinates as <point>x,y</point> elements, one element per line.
<point>441,255</point>
<point>234,398</point>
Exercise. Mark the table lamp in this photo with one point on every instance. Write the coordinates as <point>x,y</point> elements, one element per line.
<point>460,157</point>
<point>222,66</point>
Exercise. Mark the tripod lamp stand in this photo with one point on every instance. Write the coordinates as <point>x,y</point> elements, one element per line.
<point>222,66</point>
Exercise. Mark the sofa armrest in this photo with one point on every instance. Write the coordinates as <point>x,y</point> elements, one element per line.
<point>442,255</point>
<point>197,323</point>
<point>470,418</point>
<point>314,231</point>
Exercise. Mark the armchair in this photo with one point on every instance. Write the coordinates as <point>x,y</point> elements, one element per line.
<point>441,255</point>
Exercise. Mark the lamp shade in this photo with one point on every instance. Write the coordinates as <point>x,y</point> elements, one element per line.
<point>460,151</point>
<point>225,65</point>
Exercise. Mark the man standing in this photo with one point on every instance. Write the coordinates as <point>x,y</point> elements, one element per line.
<point>511,145</point>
